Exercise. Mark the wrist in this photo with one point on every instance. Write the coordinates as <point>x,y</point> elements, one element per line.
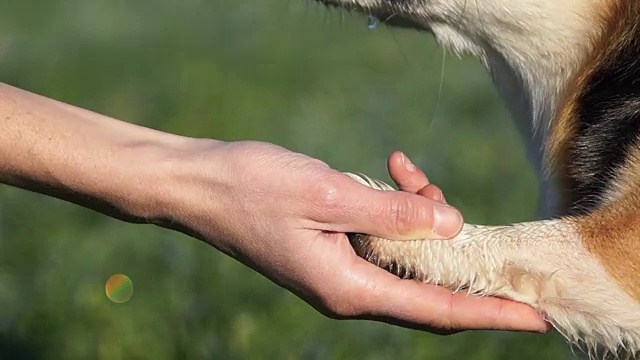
<point>179,181</point>
<point>202,191</point>
<point>141,178</point>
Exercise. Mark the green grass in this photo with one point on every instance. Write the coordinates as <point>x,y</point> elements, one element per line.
<point>287,72</point>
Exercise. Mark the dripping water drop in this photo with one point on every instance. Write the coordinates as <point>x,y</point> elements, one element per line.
<point>373,22</point>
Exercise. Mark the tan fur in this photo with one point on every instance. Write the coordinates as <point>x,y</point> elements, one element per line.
<point>612,233</point>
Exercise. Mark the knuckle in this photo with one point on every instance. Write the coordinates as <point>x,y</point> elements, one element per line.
<point>327,193</point>
<point>450,324</point>
<point>404,216</point>
<point>318,163</point>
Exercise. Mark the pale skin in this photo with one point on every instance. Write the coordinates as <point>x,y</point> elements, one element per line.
<point>281,213</point>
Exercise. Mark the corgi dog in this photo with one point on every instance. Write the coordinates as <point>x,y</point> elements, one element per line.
<point>569,73</point>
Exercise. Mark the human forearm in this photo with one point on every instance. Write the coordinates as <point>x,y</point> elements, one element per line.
<point>80,156</point>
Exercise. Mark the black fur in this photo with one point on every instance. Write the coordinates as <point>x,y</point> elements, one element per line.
<point>608,124</point>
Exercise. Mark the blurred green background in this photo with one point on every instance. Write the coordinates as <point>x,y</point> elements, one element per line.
<point>289,72</point>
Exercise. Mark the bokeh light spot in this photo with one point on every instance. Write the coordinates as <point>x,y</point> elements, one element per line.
<point>119,288</point>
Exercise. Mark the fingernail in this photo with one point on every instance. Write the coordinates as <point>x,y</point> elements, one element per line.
<point>446,221</point>
<point>407,163</point>
<point>439,196</point>
<point>545,329</point>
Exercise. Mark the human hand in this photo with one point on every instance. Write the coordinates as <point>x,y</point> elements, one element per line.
<point>285,215</point>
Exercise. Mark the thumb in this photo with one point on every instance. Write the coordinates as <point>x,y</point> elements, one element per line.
<point>395,215</point>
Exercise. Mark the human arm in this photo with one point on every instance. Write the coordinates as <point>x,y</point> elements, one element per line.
<point>281,213</point>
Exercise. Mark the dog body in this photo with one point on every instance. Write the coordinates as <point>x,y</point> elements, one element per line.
<point>569,72</point>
